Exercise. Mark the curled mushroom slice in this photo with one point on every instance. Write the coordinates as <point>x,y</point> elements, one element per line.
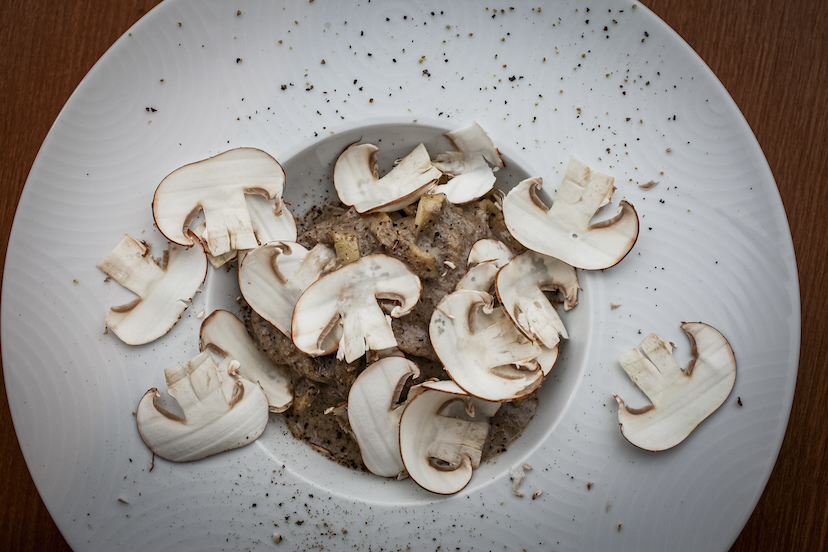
<point>358,185</point>
<point>563,230</point>
<point>162,291</point>
<point>473,139</point>
<point>374,413</point>
<point>217,186</point>
<point>438,451</point>
<point>471,176</point>
<point>223,333</point>
<point>482,350</point>
<point>681,399</point>
<point>340,310</point>
<point>520,288</point>
<point>486,257</point>
<point>212,423</point>
<point>273,276</point>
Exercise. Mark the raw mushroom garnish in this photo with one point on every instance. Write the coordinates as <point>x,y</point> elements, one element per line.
<point>223,333</point>
<point>162,290</point>
<point>482,350</point>
<point>358,185</point>
<point>563,230</point>
<point>520,288</point>
<point>468,167</point>
<point>486,257</point>
<point>268,226</point>
<point>273,276</point>
<point>374,413</point>
<point>212,422</point>
<point>438,451</point>
<point>340,310</point>
<point>217,186</point>
<point>681,399</point>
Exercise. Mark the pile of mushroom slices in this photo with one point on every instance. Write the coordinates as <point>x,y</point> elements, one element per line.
<point>497,333</point>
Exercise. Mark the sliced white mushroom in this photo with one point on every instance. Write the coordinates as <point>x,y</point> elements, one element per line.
<point>268,226</point>
<point>520,288</point>
<point>470,175</point>
<point>486,257</point>
<point>217,186</point>
<point>211,423</point>
<point>340,310</point>
<point>489,249</point>
<point>439,452</point>
<point>223,333</point>
<point>162,291</point>
<point>374,413</point>
<point>470,408</point>
<point>681,399</point>
<point>482,351</point>
<point>563,231</point>
<point>473,139</point>
<point>358,184</point>
<point>273,276</point>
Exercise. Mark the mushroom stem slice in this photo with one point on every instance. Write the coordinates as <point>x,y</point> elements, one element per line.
<point>225,334</point>
<point>340,310</point>
<point>162,293</point>
<point>473,139</point>
<point>681,399</point>
<point>374,413</point>
<point>217,186</point>
<point>486,257</point>
<point>482,351</point>
<point>439,452</point>
<point>358,185</point>
<point>273,276</point>
<point>471,177</point>
<point>211,423</point>
<point>520,287</point>
<point>563,230</point>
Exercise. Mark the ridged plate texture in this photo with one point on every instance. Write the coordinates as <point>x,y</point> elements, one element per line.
<point>605,81</point>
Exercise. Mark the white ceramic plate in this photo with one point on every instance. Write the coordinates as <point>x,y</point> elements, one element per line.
<point>611,84</point>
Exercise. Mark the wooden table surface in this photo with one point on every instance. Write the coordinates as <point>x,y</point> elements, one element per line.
<point>771,56</point>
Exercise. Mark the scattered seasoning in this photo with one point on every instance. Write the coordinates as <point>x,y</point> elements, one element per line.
<point>122,501</point>
<point>649,184</point>
<point>609,504</point>
<point>277,538</point>
<point>537,493</point>
<point>323,62</point>
<point>589,486</point>
<point>238,60</point>
<point>619,527</point>
<point>739,401</point>
<point>613,306</point>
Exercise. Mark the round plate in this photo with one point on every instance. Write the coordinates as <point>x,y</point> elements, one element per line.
<point>610,84</point>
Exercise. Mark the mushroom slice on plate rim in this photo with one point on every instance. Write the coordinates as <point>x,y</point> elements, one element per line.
<point>681,399</point>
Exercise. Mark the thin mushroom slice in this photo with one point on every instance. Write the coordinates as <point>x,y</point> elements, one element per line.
<point>211,423</point>
<point>486,257</point>
<point>268,226</point>
<point>358,184</point>
<point>439,451</point>
<point>273,276</point>
<point>520,288</point>
<point>162,293</point>
<point>217,186</point>
<point>473,139</point>
<point>340,310</point>
<point>468,167</point>
<point>482,350</point>
<point>223,333</point>
<point>374,413</point>
<point>563,231</point>
<point>681,399</point>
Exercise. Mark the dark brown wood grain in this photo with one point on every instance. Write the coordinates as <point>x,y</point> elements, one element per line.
<point>771,56</point>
